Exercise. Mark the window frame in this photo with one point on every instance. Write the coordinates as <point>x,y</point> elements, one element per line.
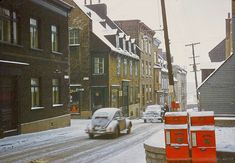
<point>98,67</point>
<point>74,32</point>
<point>54,39</point>
<point>35,88</point>
<point>56,91</point>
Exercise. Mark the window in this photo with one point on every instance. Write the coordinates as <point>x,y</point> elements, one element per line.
<point>129,46</point>
<point>73,36</point>
<point>131,68</point>
<point>131,95</point>
<point>142,68</point>
<point>98,65</point>
<point>55,91</point>
<point>33,33</point>
<point>54,38</point>
<point>150,72</point>
<point>125,66</point>
<point>149,48</point>
<point>8,26</point>
<point>35,92</point>
<point>124,44</point>
<point>118,65</point>
<point>136,68</point>
<point>147,69</point>
<point>117,41</point>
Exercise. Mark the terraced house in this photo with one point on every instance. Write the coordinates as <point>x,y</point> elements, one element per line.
<point>104,62</point>
<point>33,66</point>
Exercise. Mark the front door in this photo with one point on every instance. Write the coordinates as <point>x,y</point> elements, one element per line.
<point>125,94</point>
<point>8,106</point>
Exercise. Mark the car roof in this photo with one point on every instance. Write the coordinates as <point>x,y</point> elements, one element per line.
<point>110,111</point>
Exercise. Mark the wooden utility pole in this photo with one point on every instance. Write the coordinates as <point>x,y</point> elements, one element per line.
<point>168,53</point>
<point>194,66</point>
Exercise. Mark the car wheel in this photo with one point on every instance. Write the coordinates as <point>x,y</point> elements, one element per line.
<point>145,121</point>
<point>129,129</point>
<point>116,132</point>
<point>91,136</point>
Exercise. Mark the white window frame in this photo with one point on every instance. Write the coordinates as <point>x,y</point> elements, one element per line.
<point>98,66</point>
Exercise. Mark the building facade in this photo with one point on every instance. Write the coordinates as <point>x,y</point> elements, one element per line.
<point>106,64</point>
<point>180,75</point>
<point>33,66</point>
<point>144,37</point>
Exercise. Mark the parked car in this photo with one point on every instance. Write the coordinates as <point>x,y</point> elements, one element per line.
<point>108,121</point>
<point>153,113</point>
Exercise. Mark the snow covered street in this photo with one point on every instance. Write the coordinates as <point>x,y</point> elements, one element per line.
<point>71,144</point>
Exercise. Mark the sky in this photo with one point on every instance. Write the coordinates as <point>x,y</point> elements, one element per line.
<point>189,21</point>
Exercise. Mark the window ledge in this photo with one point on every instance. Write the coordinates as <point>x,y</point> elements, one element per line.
<point>54,52</point>
<point>37,108</point>
<point>57,105</point>
<point>74,44</point>
<point>11,44</point>
<point>98,74</point>
<point>37,49</point>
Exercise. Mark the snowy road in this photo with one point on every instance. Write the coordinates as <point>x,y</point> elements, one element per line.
<point>71,144</point>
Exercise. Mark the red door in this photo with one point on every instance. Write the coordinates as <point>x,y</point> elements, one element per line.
<point>8,107</point>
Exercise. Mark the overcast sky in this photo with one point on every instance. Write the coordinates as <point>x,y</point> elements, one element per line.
<point>189,21</point>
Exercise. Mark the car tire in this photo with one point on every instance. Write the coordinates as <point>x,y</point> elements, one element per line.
<point>145,121</point>
<point>129,129</point>
<point>116,132</point>
<point>91,136</point>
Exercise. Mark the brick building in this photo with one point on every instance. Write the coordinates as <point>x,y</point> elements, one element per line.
<point>33,66</point>
<point>104,62</point>
<point>144,38</point>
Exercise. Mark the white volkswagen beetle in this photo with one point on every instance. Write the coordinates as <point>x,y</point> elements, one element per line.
<point>108,121</point>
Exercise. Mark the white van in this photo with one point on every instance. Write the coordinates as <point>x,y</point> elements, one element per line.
<point>153,113</point>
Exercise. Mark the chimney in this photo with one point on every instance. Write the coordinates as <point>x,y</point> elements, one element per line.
<point>90,2</point>
<point>228,26</point>
<point>100,9</point>
<point>85,2</point>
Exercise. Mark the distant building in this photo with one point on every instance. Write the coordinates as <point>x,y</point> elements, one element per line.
<point>33,66</point>
<point>104,62</point>
<point>180,74</point>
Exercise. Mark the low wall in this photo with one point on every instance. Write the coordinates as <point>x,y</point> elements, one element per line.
<point>46,124</point>
<point>158,155</point>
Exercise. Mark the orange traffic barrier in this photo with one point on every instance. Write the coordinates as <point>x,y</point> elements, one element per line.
<point>176,137</point>
<point>203,141</point>
<point>176,118</point>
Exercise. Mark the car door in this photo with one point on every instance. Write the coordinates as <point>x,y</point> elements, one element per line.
<point>122,121</point>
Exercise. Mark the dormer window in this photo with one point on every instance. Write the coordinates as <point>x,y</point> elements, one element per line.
<point>129,45</point>
<point>117,41</point>
<point>124,44</point>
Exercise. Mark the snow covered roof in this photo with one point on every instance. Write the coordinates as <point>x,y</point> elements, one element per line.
<point>110,32</point>
<point>100,31</point>
<point>214,71</point>
<point>211,65</point>
<point>157,66</point>
<point>164,70</point>
<point>132,40</point>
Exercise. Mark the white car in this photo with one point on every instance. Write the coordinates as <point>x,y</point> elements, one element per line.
<point>153,113</point>
<point>108,121</point>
